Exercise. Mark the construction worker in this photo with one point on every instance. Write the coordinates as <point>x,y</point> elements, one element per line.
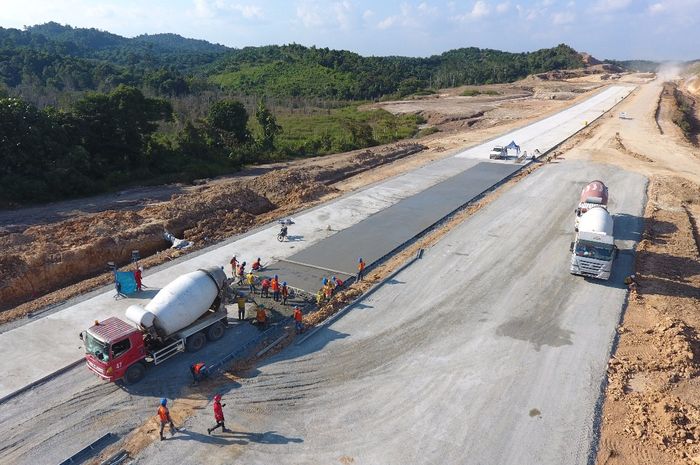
<point>298,320</point>
<point>360,269</point>
<point>234,266</point>
<point>241,306</point>
<point>261,318</point>
<point>138,274</point>
<point>241,273</point>
<point>328,290</point>
<point>251,282</point>
<point>164,415</point>
<point>199,372</point>
<point>284,291</point>
<point>337,283</point>
<point>218,415</point>
<point>319,297</point>
<point>275,287</point>
<point>264,288</point>
<point>631,282</point>
<point>257,266</point>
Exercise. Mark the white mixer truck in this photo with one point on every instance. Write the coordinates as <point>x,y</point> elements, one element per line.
<point>595,194</point>
<point>182,316</point>
<point>594,249</point>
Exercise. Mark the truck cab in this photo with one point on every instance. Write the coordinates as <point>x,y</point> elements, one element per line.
<point>593,251</point>
<point>498,152</point>
<point>115,350</point>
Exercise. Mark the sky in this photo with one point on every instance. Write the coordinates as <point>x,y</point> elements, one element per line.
<point>620,29</point>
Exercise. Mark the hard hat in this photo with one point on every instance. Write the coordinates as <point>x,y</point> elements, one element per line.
<point>284,283</point>
<point>163,401</point>
<point>324,280</point>
<point>360,259</point>
<point>334,278</point>
<point>217,398</point>
<point>276,277</point>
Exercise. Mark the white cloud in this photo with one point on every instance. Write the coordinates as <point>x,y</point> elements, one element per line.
<point>248,11</point>
<point>343,14</point>
<point>308,13</point>
<point>367,15</point>
<point>605,6</point>
<point>209,9</point>
<point>502,7</point>
<point>386,23</point>
<point>480,10</point>
<point>426,9</point>
<point>657,8</point>
<point>563,17</point>
<point>405,18</point>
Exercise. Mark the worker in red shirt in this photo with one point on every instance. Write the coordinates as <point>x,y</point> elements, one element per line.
<point>199,372</point>
<point>264,288</point>
<point>338,283</point>
<point>360,269</point>
<point>298,320</point>
<point>164,415</point>
<point>218,415</point>
<point>137,277</point>
<point>257,266</point>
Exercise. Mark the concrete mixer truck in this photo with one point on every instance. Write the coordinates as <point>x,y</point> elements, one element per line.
<point>593,251</point>
<point>595,194</point>
<point>182,316</point>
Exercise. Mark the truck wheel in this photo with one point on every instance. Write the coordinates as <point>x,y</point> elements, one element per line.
<point>215,331</point>
<point>196,342</point>
<point>134,373</point>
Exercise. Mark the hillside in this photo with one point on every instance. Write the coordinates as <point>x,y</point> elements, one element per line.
<point>50,58</point>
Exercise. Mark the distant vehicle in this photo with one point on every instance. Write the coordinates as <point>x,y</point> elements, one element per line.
<point>182,316</point>
<point>595,194</point>
<point>593,251</point>
<point>498,152</point>
<point>624,115</point>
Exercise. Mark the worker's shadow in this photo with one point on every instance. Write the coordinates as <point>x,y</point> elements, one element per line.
<point>234,437</point>
<point>144,294</point>
<point>295,238</point>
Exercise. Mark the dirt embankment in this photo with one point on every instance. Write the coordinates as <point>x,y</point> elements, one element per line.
<point>652,410</point>
<point>43,258</point>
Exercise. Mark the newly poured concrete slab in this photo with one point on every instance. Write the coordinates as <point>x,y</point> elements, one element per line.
<point>387,229</point>
<point>307,278</point>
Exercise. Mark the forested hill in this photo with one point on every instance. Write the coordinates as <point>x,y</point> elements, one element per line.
<point>51,58</point>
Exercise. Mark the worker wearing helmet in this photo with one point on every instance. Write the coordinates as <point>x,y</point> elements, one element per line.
<point>284,291</point>
<point>298,320</point>
<point>338,283</point>
<point>164,415</point>
<point>275,288</point>
<point>218,415</point>
<point>360,269</point>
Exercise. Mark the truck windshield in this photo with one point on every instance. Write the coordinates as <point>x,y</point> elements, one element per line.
<point>593,250</point>
<point>96,347</point>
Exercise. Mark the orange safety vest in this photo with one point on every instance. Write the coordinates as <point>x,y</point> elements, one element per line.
<point>361,266</point>
<point>198,367</point>
<point>163,414</point>
<point>297,315</point>
<point>275,285</point>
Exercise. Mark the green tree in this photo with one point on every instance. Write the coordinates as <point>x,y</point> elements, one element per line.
<point>230,119</point>
<point>269,126</point>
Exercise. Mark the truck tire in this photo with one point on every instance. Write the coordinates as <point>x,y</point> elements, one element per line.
<point>196,342</point>
<point>134,373</point>
<point>215,331</point>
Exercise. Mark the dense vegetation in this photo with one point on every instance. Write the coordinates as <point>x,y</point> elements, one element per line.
<point>84,111</point>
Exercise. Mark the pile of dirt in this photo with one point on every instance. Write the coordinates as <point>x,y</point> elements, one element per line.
<point>651,413</point>
<point>616,143</point>
<point>43,258</point>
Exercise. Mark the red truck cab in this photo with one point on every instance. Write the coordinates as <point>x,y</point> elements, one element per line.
<point>115,350</point>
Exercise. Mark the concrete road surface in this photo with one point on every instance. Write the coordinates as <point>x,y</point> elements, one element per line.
<point>486,351</point>
<point>26,358</point>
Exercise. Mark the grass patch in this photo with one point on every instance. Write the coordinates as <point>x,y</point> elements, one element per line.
<point>475,92</point>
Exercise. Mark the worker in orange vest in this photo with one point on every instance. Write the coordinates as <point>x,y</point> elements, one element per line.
<point>298,320</point>
<point>360,269</point>
<point>261,318</point>
<point>275,287</point>
<point>164,415</point>
<point>199,372</point>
